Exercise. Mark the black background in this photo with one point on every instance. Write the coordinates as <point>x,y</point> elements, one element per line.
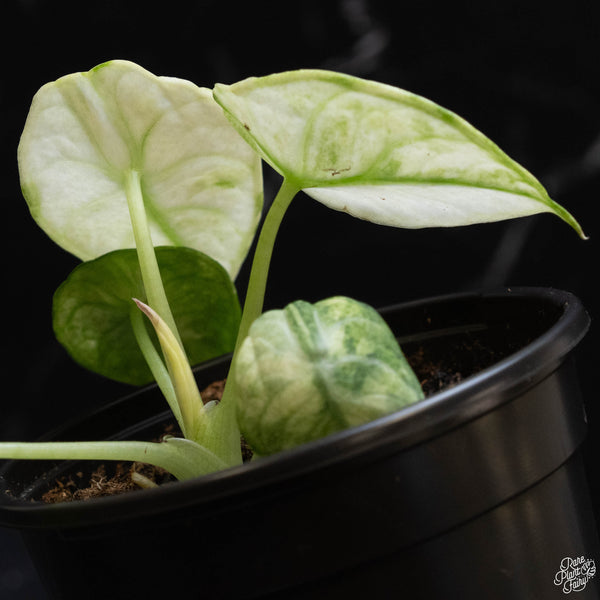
<point>525,73</point>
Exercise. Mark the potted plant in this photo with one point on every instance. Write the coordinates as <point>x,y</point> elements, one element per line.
<point>359,483</point>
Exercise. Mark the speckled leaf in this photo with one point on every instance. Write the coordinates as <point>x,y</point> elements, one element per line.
<point>380,153</point>
<point>85,132</point>
<point>310,370</point>
<point>91,310</point>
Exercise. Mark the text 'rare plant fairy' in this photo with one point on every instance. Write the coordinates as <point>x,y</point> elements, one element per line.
<point>156,185</point>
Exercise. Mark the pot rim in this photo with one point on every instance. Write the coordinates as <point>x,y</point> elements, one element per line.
<point>437,414</point>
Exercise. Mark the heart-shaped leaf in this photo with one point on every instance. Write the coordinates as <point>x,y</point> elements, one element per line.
<point>380,153</point>
<point>85,132</point>
<point>312,369</point>
<point>92,310</point>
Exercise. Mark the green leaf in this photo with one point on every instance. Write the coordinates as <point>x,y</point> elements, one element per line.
<point>380,153</point>
<point>91,310</point>
<point>86,132</point>
<point>310,370</point>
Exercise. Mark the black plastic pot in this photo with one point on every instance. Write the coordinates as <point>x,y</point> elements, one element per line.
<point>476,492</point>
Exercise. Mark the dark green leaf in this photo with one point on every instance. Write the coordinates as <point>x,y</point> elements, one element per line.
<point>92,308</point>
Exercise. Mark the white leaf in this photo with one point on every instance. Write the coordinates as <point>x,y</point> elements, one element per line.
<point>201,184</point>
<point>380,153</point>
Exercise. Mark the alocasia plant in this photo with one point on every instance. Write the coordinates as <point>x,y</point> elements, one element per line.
<point>117,157</point>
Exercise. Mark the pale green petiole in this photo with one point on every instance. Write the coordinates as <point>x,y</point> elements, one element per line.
<point>259,272</point>
<point>183,400</point>
<point>255,294</point>
<point>183,458</point>
<point>220,431</point>
<point>153,285</point>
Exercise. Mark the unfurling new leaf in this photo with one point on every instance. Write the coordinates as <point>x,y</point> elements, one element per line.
<point>310,370</point>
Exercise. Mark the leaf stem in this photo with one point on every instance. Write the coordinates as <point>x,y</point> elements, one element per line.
<point>183,458</point>
<point>153,284</point>
<point>257,284</point>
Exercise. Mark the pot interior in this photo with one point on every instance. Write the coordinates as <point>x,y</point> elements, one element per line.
<point>457,345</point>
